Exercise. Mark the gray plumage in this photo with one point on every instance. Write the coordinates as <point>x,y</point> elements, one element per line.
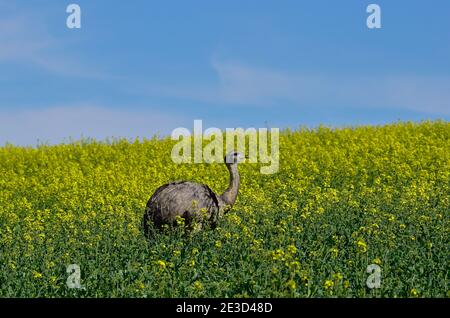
<point>194,202</point>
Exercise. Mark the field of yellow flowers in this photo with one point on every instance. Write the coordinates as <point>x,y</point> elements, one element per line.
<point>343,199</point>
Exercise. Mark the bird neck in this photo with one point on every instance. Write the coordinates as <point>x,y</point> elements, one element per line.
<point>230,194</point>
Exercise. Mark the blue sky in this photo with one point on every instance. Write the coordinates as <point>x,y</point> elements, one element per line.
<point>145,67</point>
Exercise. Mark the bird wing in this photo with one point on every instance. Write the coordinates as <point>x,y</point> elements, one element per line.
<point>177,198</point>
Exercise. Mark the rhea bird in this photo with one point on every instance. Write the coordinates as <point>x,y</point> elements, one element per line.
<point>194,202</point>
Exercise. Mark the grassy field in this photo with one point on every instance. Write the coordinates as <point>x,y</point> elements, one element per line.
<point>343,199</point>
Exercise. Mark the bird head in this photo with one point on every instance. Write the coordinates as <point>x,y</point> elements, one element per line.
<point>234,157</point>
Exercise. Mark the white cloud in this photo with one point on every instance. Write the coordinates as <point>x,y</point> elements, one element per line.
<point>244,85</point>
<point>25,38</point>
<point>424,94</point>
<point>56,124</point>
<point>19,40</point>
<point>235,84</point>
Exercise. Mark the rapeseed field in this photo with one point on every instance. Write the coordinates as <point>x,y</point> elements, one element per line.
<point>343,199</point>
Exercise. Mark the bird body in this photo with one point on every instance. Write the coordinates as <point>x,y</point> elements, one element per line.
<point>194,202</point>
<point>182,199</point>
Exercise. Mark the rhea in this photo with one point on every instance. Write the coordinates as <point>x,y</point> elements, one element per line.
<point>194,202</point>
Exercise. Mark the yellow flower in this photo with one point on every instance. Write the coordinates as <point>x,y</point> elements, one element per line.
<point>162,264</point>
<point>304,278</point>
<point>198,285</point>
<point>179,220</point>
<point>37,275</point>
<point>291,249</point>
<point>334,251</point>
<point>291,284</point>
<point>414,293</point>
<point>50,264</point>
<point>218,244</point>
<point>257,243</point>
<point>361,246</point>
<point>376,261</point>
<point>53,279</point>
<point>277,254</point>
<point>328,284</point>
<point>294,265</point>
